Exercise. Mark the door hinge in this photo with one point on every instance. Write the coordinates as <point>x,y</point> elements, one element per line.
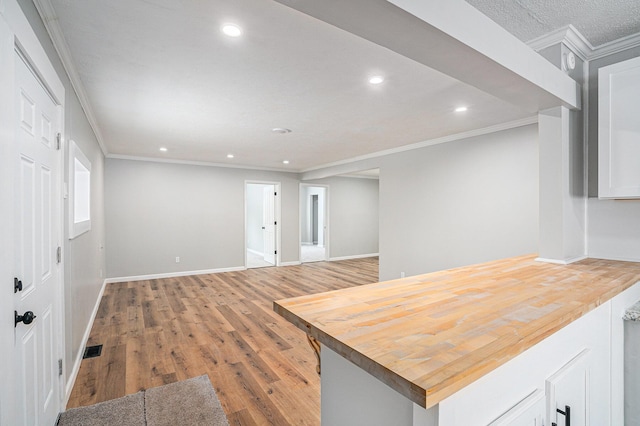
<point>275,223</point>
<point>58,141</point>
<point>275,252</point>
<point>59,254</point>
<point>275,194</point>
<point>60,367</point>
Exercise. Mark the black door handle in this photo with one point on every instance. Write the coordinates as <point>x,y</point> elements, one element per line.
<point>27,318</point>
<point>567,416</point>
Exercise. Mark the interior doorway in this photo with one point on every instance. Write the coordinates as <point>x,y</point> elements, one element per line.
<point>261,224</point>
<point>314,222</point>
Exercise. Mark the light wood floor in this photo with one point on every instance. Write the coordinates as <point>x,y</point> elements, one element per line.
<point>161,331</point>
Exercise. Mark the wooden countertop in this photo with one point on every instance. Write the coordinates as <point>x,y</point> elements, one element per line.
<point>430,335</point>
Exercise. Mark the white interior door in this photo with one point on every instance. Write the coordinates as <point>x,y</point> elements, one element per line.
<point>37,231</point>
<point>269,226</point>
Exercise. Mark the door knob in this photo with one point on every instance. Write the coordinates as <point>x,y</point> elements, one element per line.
<point>27,318</point>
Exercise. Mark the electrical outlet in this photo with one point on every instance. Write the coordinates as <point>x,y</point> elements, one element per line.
<point>177,259</point>
<point>401,274</point>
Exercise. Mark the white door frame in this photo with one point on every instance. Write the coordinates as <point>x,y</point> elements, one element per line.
<point>277,206</point>
<point>17,34</point>
<point>327,219</point>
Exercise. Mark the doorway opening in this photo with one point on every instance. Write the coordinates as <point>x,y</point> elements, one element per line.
<point>262,234</point>
<point>314,221</point>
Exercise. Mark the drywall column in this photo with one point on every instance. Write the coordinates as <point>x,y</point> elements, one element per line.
<point>562,194</point>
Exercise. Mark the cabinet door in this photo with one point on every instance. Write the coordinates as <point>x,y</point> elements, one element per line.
<point>528,412</point>
<point>568,393</point>
<point>619,130</point>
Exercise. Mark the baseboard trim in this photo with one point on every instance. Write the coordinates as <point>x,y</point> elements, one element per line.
<point>256,252</point>
<point>76,365</point>
<point>561,262</point>
<point>173,274</point>
<point>617,258</point>
<point>294,263</point>
<point>355,256</point>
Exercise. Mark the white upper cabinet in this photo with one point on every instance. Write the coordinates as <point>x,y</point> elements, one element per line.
<point>619,130</point>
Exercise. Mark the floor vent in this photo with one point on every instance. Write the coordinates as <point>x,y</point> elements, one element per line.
<point>92,351</point>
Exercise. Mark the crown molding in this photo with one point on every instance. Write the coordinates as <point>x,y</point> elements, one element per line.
<point>430,142</point>
<point>578,43</point>
<point>568,35</point>
<point>52,24</point>
<point>197,163</point>
<point>616,46</point>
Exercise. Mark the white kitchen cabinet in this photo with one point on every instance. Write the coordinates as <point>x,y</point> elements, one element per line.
<point>567,392</point>
<point>528,412</point>
<point>619,130</point>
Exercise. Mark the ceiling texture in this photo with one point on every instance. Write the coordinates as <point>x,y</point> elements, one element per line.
<point>161,74</point>
<point>599,21</point>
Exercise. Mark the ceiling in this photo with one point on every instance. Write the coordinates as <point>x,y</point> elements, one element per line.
<point>160,73</point>
<point>599,21</point>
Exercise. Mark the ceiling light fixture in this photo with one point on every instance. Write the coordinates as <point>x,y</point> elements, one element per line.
<point>376,79</point>
<point>232,30</point>
<point>230,155</point>
<point>285,161</point>
<point>163,149</point>
<point>280,130</point>
<point>461,109</point>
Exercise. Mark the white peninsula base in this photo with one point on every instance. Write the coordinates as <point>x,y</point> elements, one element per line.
<point>580,366</point>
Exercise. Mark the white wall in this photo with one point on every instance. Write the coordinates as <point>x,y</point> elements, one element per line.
<point>84,258</point>
<point>613,228</point>
<point>255,217</point>
<point>156,212</point>
<point>459,203</point>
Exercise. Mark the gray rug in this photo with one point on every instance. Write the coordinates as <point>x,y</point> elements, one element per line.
<point>192,402</point>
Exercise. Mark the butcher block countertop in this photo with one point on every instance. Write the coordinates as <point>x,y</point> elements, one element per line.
<point>430,335</point>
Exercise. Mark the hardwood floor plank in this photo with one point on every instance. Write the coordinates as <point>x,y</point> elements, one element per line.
<point>156,332</point>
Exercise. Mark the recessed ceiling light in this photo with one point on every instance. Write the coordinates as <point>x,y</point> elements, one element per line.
<point>232,30</point>
<point>461,109</point>
<point>280,130</point>
<point>163,149</point>
<point>377,79</point>
<point>285,161</point>
<point>230,155</point>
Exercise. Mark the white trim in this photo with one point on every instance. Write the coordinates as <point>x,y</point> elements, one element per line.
<point>355,256</point>
<point>87,332</point>
<point>52,24</point>
<point>568,35</point>
<point>196,163</point>
<point>173,274</point>
<point>573,39</point>
<point>450,138</point>
<point>617,258</point>
<point>292,263</point>
<point>616,46</point>
<point>77,228</point>
<point>352,176</point>
<point>561,262</point>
